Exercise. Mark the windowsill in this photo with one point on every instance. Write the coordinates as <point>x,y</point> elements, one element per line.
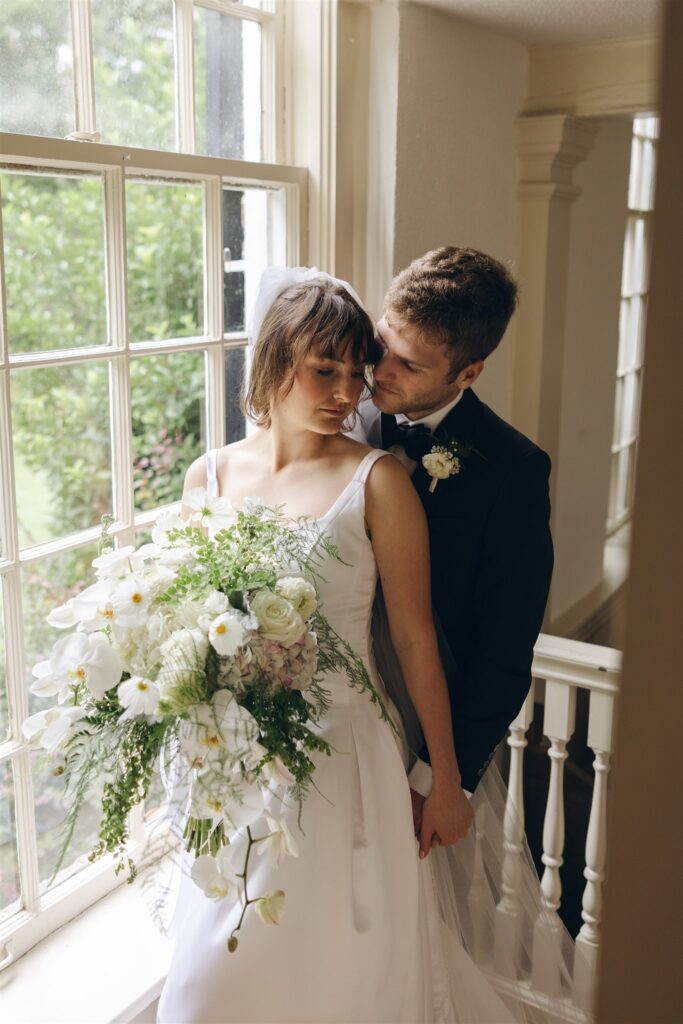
<point>104,967</point>
<point>579,621</point>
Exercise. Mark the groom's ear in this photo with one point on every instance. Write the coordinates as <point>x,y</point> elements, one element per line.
<point>468,376</point>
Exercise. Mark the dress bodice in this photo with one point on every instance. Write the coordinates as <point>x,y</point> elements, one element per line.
<point>347,586</point>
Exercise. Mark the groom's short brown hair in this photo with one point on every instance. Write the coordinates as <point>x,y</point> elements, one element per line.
<point>455,296</point>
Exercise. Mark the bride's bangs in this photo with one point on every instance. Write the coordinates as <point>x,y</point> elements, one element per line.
<point>341,325</point>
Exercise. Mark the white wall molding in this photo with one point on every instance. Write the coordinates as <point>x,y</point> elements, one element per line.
<point>311,117</point>
<point>614,76</point>
<point>549,148</point>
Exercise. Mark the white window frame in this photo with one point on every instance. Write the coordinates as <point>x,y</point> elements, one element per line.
<point>640,210</point>
<point>41,914</point>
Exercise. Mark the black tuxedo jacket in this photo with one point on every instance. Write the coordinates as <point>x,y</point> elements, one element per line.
<point>491,563</point>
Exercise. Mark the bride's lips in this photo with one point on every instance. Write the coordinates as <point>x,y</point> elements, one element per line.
<point>334,412</point>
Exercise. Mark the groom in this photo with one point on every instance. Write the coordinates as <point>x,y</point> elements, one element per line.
<point>491,549</point>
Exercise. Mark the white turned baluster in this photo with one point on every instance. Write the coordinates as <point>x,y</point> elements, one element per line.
<point>558,725</point>
<point>507,959</point>
<point>588,940</point>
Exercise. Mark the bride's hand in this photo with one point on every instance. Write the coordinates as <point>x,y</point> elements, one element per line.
<point>446,817</point>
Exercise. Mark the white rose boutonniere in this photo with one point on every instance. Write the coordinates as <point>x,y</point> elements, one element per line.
<point>444,459</point>
<point>440,463</point>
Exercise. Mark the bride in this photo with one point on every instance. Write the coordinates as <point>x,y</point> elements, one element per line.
<point>370,933</point>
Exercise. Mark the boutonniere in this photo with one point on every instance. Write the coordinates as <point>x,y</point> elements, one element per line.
<point>444,460</point>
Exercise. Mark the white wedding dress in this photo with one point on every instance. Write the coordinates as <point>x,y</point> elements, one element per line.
<point>364,936</point>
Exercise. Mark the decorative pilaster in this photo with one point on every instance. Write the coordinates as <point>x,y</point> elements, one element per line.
<point>549,148</point>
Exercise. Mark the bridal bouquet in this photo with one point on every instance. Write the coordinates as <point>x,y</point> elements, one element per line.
<point>207,643</point>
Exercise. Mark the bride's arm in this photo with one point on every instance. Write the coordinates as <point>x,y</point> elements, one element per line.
<point>400,541</point>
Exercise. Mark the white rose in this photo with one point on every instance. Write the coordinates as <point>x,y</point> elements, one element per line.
<point>300,593</point>
<point>440,464</point>
<point>278,619</point>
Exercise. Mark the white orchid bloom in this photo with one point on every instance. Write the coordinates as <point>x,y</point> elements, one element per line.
<point>226,634</point>
<point>279,844</point>
<point>271,906</point>
<point>211,512</point>
<point>226,797</point>
<point>114,563</point>
<point>79,658</point>
<point>221,725</point>
<point>215,875</point>
<point>130,602</point>
<point>93,607</point>
<point>165,522</point>
<point>277,773</point>
<point>63,617</point>
<point>52,728</point>
<point>138,696</point>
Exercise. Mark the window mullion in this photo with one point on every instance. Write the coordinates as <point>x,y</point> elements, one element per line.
<point>271,88</point>
<point>119,369</point>
<point>213,311</point>
<point>83,73</point>
<point>184,75</point>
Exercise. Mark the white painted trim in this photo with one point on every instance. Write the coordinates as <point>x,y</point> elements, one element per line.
<point>614,76</point>
<point>66,154</point>
<point>183,34</point>
<point>83,74</point>
<point>213,311</point>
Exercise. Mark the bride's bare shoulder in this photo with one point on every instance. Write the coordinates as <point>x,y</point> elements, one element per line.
<point>195,475</point>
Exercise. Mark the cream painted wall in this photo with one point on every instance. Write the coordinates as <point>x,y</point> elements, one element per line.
<point>459,91</point>
<point>590,359</point>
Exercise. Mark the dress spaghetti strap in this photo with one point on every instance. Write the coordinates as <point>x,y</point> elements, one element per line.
<point>212,488</point>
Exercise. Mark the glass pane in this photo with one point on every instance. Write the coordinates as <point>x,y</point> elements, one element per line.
<point>253,238</point>
<point>618,411</point>
<point>62,449</point>
<point>54,261</point>
<point>168,424</point>
<point>631,329</point>
<point>9,868</point>
<point>631,407</point>
<point>165,261</point>
<point>227,82</point>
<point>50,811</point>
<point>46,584</point>
<point>4,711</point>
<point>235,422</point>
<point>133,61</point>
<point>36,95</point>
<point>623,460</point>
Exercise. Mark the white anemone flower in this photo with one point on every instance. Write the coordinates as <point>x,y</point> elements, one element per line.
<point>215,876</point>
<point>130,602</point>
<point>52,728</point>
<point>139,696</point>
<point>271,906</point>
<point>79,658</point>
<point>226,634</point>
<point>279,844</point>
<point>213,513</point>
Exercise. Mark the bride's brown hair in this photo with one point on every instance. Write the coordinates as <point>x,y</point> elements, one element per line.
<point>319,312</point>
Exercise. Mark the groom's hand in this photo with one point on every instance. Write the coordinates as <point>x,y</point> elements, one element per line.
<point>418,802</point>
<point>446,818</point>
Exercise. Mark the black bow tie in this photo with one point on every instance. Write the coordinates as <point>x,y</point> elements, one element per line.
<point>414,438</point>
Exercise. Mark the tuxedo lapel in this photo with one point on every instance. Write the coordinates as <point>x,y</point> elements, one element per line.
<point>461,424</point>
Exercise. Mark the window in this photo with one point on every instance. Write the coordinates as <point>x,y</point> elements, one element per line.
<point>125,276</point>
<point>634,286</point>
